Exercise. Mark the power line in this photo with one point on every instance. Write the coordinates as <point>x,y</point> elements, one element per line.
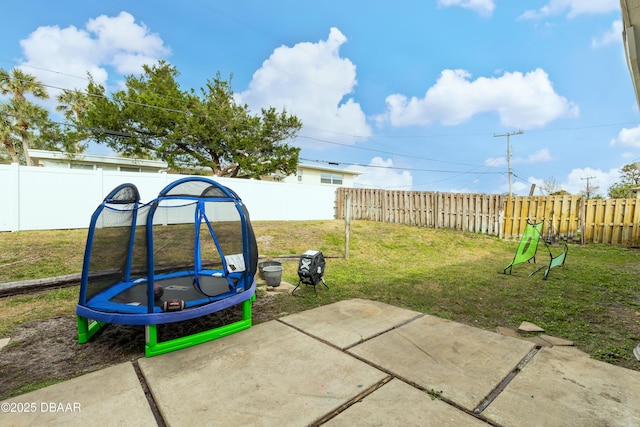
<point>441,135</point>
<point>401,168</point>
<point>121,134</point>
<point>386,152</point>
<point>220,122</point>
<point>217,121</point>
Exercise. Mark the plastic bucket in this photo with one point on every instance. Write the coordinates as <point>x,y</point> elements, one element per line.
<point>263,264</point>
<point>272,275</point>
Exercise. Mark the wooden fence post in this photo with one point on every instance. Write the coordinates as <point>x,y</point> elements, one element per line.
<point>347,224</point>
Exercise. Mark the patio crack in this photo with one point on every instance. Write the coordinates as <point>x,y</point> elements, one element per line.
<point>505,382</point>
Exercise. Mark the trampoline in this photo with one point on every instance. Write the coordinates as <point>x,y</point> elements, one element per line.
<point>188,253</point>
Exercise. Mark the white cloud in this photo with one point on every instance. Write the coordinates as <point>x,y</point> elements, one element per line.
<point>124,44</point>
<point>574,7</point>
<point>614,35</point>
<point>599,181</point>
<point>576,181</point>
<point>312,82</point>
<point>62,57</point>
<point>521,100</point>
<point>519,188</point>
<point>495,162</point>
<point>482,7</point>
<point>627,138</point>
<point>540,156</point>
<point>379,175</point>
<point>539,185</point>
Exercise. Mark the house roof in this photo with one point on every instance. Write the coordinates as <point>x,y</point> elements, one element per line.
<point>631,40</point>
<point>328,169</point>
<point>91,158</point>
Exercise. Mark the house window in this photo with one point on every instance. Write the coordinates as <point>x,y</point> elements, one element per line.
<point>129,169</point>
<point>83,166</point>
<point>331,178</point>
<point>299,175</point>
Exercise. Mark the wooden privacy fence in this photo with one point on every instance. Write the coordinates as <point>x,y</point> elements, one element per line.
<point>612,221</point>
<point>562,215</point>
<point>608,221</point>
<point>477,213</point>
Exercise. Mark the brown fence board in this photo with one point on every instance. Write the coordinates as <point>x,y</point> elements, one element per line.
<point>635,223</point>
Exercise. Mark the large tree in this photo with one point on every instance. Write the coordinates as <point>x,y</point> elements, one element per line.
<point>630,175</point>
<point>24,125</point>
<point>7,135</point>
<point>72,104</point>
<point>23,115</point>
<point>153,117</point>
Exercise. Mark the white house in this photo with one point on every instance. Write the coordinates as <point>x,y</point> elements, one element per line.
<point>306,174</point>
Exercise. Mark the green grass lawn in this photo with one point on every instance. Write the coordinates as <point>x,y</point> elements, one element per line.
<point>594,300</point>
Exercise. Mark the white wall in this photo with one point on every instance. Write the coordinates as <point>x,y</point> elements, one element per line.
<point>33,198</point>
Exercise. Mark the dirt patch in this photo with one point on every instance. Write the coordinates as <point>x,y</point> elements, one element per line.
<point>628,317</point>
<point>48,351</point>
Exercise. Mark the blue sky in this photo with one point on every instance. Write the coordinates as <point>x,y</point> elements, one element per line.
<point>412,94</point>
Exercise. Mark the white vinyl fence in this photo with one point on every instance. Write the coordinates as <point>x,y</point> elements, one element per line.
<point>33,198</point>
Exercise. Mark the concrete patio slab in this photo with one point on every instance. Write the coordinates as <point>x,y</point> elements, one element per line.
<point>346,323</point>
<point>462,363</point>
<point>558,389</point>
<point>269,375</point>
<point>411,370</point>
<point>397,403</point>
<point>112,396</point>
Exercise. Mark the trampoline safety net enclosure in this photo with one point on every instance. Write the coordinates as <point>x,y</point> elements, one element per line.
<point>188,253</point>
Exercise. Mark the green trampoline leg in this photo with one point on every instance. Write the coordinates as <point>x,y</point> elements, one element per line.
<point>154,348</point>
<point>87,329</point>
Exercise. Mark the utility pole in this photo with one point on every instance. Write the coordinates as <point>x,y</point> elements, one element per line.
<point>588,188</point>
<point>508,135</point>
